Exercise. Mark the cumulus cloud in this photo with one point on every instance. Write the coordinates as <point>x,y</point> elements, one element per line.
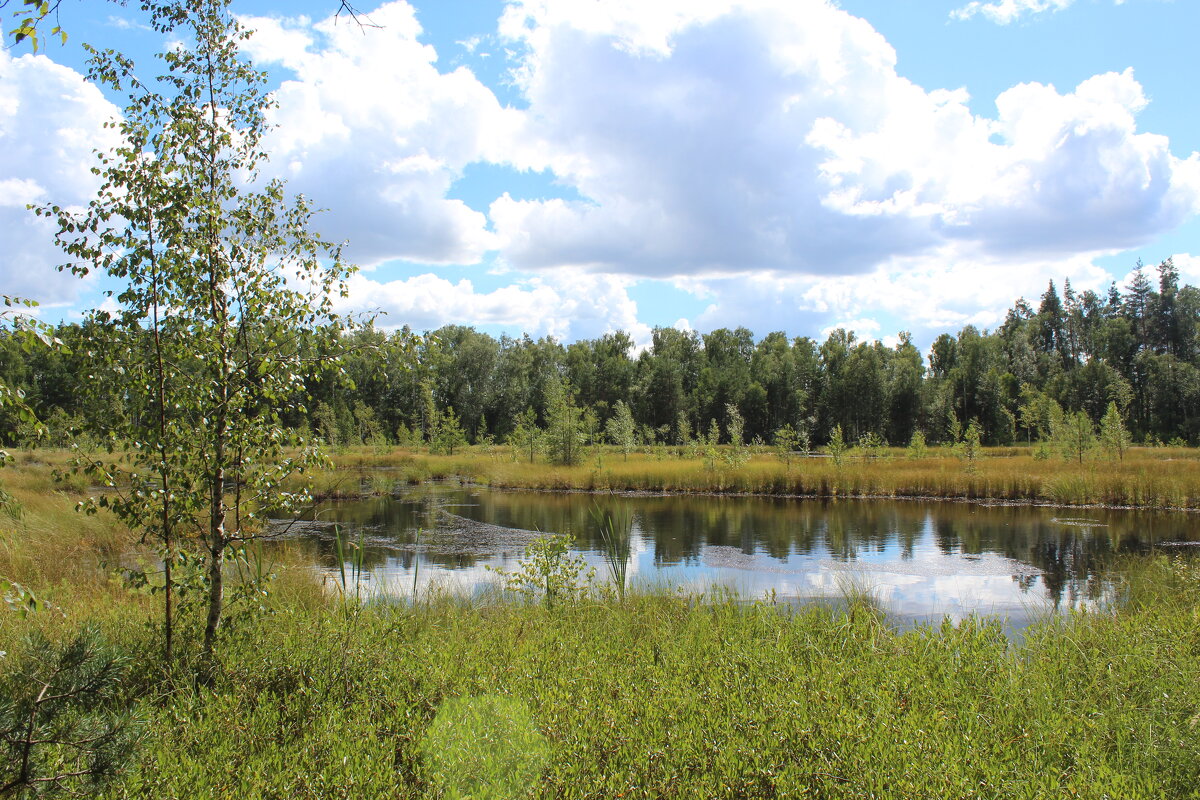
<point>1188,266</point>
<point>925,295</point>
<point>370,129</point>
<point>763,154</point>
<point>567,304</point>
<point>1069,173</point>
<point>51,120</point>
<point>712,138</point>
<point>1003,12</point>
<point>864,328</point>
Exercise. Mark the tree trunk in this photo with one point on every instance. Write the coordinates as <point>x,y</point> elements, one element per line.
<point>216,553</point>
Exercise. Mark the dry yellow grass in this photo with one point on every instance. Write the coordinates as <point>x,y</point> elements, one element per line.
<point>1145,478</point>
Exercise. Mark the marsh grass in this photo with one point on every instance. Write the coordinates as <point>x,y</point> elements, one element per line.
<point>49,544</point>
<point>615,523</point>
<point>664,695</point>
<point>1145,478</point>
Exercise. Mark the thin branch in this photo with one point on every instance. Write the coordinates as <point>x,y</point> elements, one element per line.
<point>357,17</point>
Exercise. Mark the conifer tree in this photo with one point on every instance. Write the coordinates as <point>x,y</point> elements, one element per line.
<point>1114,437</point>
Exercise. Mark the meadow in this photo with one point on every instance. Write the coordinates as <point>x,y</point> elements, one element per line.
<point>661,694</point>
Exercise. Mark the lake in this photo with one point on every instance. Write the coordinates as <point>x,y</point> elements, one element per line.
<point>920,560</point>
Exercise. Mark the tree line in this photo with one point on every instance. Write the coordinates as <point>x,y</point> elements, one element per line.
<point>1075,352</point>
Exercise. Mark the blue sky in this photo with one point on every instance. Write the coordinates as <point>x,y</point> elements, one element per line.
<point>568,167</point>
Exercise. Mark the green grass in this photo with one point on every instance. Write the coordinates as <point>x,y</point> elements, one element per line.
<point>659,696</point>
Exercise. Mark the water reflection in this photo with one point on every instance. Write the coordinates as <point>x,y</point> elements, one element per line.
<point>921,560</point>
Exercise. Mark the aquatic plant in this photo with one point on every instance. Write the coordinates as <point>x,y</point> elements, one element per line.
<point>616,531</point>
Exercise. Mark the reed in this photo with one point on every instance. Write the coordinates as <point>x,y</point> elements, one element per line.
<point>616,532</point>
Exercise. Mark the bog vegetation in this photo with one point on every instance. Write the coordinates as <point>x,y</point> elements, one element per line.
<point>149,647</point>
<point>322,694</point>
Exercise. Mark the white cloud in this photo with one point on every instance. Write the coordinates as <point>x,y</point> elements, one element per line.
<point>126,24</point>
<point>1003,12</point>
<point>1189,268</point>
<point>865,328</point>
<point>565,304</point>
<point>776,135</point>
<point>925,295</point>
<point>763,155</point>
<point>51,120</point>
<point>371,130</point>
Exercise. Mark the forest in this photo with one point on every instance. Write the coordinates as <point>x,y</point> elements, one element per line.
<point>1075,352</point>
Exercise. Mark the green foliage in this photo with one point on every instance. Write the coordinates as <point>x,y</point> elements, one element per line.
<point>729,699</point>
<point>837,447</point>
<point>564,428</point>
<point>29,16</point>
<point>1075,436</point>
<point>872,445</point>
<point>1114,437</point>
<point>786,442</point>
<point>969,447</point>
<point>709,444</point>
<point>1075,351</point>
<point>735,427</point>
<point>621,429</point>
<point>526,436</point>
<point>448,434</point>
<point>366,424</point>
<point>327,424</point>
<point>487,746</point>
<point>917,448</point>
<point>486,440</point>
<point>61,729</point>
<point>26,332</point>
<point>549,571</point>
<point>223,288</point>
<point>21,600</point>
<point>1079,352</point>
<point>683,431</point>
<point>589,425</point>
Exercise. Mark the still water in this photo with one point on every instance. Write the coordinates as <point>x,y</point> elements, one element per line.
<point>922,561</point>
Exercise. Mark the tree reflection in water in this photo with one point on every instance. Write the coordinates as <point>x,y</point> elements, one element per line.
<point>1058,556</point>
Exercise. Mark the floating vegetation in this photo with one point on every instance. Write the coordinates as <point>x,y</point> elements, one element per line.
<point>1079,522</point>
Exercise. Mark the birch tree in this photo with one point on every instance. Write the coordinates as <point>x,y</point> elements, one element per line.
<point>222,283</point>
<point>621,429</point>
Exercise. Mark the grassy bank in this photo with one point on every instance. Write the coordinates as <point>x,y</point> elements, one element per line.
<point>660,696</point>
<point>1145,478</point>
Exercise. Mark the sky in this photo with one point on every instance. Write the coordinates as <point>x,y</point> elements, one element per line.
<point>574,167</point>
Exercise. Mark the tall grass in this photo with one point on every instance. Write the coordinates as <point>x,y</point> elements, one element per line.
<point>45,543</point>
<point>616,532</point>
<point>1145,478</point>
